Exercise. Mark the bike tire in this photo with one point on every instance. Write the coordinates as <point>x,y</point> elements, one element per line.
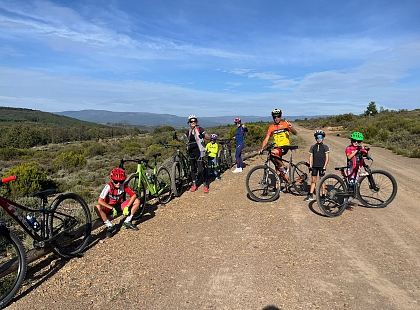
<point>163,185</point>
<point>177,181</point>
<point>13,265</point>
<point>336,197</point>
<point>70,223</point>
<point>133,183</point>
<point>384,192</point>
<point>300,178</point>
<point>261,184</point>
<point>228,160</point>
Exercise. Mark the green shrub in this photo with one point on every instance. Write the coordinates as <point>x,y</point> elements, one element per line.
<point>29,181</point>
<point>70,161</point>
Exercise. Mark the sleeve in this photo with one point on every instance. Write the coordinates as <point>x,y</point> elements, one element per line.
<point>129,191</point>
<point>326,149</point>
<point>311,149</point>
<point>105,192</point>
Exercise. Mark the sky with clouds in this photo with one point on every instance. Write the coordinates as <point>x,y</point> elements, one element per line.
<point>210,58</point>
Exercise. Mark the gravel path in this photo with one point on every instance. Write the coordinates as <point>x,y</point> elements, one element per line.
<point>223,251</point>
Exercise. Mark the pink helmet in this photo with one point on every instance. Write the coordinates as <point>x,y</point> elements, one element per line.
<point>237,120</point>
<point>118,174</point>
<point>213,136</point>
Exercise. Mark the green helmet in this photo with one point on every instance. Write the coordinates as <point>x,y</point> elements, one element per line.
<point>357,136</point>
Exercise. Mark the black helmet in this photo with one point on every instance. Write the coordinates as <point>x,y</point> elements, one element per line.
<point>276,112</point>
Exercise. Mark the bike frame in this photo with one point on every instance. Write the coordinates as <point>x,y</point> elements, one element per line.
<point>11,208</point>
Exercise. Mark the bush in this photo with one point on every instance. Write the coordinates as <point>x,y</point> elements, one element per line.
<point>70,161</point>
<point>29,181</point>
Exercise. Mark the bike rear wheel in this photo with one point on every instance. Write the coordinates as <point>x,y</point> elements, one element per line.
<point>70,223</point>
<point>263,184</point>
<point>377,190</point>
<point>140,190</point>
<point>336,197</point>
<point>163,185</point>
<point>300,178</point>
<point>13,265</point>
<point>177,180</point>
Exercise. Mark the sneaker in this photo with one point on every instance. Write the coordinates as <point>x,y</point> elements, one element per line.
<point>129,225</point>
<point>309,198</point>
<point>110,231</point>
<point>322,201</point>
<point>193,188</point>
<point>206,189</point>
<point>349,208</point>
<point>237,170</point>
<point>218,178</point>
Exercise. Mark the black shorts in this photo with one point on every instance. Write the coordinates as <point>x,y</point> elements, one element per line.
<point>316,171</point>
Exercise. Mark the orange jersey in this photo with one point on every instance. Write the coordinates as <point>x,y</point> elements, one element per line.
<point>281,133</point>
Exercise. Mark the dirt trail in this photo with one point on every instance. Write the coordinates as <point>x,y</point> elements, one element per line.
<point>223,251</point>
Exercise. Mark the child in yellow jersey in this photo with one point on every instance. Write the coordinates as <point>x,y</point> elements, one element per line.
<point>212,149</point>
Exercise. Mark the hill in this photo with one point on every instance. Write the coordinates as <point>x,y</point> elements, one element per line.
<point>153,119</point>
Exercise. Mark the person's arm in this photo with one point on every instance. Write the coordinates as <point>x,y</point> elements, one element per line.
<point>327,159</point>
<point>311,157</point>
<point>291,128</point>
<point>352,154</point>
<point>102,203</point>
<point>264,143</point>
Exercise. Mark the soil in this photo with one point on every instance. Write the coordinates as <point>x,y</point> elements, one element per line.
<point>223,251</point>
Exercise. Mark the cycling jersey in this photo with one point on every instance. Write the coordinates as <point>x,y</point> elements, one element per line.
<point>318,152</point>
<point>112,195</point>
<point>280,133</point>
<point>212,148</point>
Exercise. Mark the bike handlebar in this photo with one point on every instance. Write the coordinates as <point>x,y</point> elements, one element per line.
<point>138,161</point>
<point>8,179</point>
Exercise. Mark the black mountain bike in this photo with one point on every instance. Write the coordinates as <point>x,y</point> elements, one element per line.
<point>264,183</point>
<point>224,156</point>
<point>65,226</point>
<point>180,170</point>
<point>373,188</point>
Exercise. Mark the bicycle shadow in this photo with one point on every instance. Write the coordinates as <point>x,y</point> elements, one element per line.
<point>41,271</point>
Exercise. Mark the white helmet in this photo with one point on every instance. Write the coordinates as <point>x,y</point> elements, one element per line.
<point>192,116</point>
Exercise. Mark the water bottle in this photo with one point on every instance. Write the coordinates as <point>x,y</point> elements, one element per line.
<point>34,223</point>
<point>150,178</point>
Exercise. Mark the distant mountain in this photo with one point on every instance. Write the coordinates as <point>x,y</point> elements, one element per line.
<point>152,119</point>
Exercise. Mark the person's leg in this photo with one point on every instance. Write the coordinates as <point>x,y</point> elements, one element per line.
<point>238,155</point>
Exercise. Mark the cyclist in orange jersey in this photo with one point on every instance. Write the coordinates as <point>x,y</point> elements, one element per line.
<point>280,131</point>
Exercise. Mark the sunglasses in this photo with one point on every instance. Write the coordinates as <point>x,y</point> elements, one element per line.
<point>191,121</point>
<point>117,182</point>
<point>277,116</point>
<point>357,141</point>
<point>319,137</point>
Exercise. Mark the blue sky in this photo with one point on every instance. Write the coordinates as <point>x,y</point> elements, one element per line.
<point>210,58</point>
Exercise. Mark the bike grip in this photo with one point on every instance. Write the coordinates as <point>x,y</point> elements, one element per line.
<point>8,179</point>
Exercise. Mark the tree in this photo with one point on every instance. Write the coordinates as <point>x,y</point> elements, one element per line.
<point>371,109</point>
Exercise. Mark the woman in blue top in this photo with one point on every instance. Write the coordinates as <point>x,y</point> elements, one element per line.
<point>240,143</point>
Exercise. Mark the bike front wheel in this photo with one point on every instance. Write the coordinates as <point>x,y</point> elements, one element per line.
<point>70,224</point>
<point>300,178</point>
<point>332,195</point>
<point>140,190</point>
<point>377,190</point>
<point>163,185</point>
<point>177,179</point>
<point>263,184</point>
<point>13,265</point>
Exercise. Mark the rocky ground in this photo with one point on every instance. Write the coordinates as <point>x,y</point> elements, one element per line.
<point>223,251</point>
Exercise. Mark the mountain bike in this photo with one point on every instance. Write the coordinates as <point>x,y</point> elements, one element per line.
<point>264,183</point>
<point>65,226</point>
<point>180,170</point>
<point>158,183</point>
<point>224,155</point>
<point>373,188</point>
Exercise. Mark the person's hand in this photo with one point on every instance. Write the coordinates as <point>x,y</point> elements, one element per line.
<point>367,148</point>
<point>126,211</point>
<point>175,136</point>
<point>310,169</point>
<point>323,170</point>
<point>260,151</point>
<point>359,148</point>
<point>114,212</point>
<point>201,136</point>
